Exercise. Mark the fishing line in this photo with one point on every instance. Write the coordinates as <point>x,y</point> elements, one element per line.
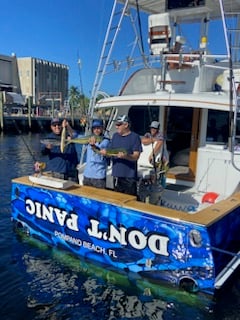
<point>24,141</point>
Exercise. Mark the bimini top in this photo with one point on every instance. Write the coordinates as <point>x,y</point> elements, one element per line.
<point>187,11</point>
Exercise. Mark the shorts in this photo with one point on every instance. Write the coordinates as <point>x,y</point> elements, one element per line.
<point>97,183</point>
<point>125,185</point>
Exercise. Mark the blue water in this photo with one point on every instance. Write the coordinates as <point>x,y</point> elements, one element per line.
<point>38,282</point>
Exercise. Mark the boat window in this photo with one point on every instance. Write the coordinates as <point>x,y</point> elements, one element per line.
<point>180,4</point>
<point>218,126</point>
<point>141,117</point>
<point>179,128</point>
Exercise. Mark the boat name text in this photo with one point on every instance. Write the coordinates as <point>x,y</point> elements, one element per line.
<point>156,242</point>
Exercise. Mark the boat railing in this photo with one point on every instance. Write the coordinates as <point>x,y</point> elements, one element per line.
<point>232,39</point>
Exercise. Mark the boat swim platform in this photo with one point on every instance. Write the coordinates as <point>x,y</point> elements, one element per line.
<point>205,217</point>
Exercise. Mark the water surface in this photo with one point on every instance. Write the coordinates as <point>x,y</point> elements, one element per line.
<point>38,282</point>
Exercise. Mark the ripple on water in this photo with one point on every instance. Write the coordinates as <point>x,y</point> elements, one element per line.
<point>38,282</point>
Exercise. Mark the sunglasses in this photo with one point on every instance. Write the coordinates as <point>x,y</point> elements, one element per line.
<point>119,124</point>
<point>56,125</point>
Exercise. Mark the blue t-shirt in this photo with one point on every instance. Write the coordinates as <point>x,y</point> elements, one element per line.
<point>96,164</point>
<point>65,162</point>
<point>123,168</point>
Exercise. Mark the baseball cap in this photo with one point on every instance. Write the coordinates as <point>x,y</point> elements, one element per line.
<point>155,125</point>
<point>55,121</point>
<point>97,123</point>
<point>123,118</point>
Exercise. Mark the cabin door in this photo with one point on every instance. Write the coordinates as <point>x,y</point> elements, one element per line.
<point>182,141</point>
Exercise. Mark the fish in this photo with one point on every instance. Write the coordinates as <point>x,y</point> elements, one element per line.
<point>64,142</point>
<point>85,139</point>
<point>81,140</point>
<point>53,142</point>
<point>114,152</point>
<point>63,139</point>
<point>109,152</point>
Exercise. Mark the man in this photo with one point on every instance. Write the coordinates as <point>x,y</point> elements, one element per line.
<point>124,165</point>
<point>154,137</point>
<point>61,164</point>
<point>96,164</point>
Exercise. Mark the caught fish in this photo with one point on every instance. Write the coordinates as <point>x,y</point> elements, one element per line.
<point>109,152</point>
<point>63,139</point>
<point>85,139</point>
<point>81,140</point>
<point>53,142</point>
<point>114,152</point>
<point>64,142</point>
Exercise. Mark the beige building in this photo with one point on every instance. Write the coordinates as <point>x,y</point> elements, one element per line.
<point>46,82</point>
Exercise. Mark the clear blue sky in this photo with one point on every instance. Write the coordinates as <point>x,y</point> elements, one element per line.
<point>60,31</point>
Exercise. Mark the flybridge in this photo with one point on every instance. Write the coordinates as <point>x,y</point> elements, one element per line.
<point>184,10</point>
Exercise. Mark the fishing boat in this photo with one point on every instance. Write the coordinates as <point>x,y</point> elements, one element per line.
<point>183,228</point>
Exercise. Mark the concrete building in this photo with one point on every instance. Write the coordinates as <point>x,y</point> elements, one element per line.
<point>46,82</point>
<point>9,80</point>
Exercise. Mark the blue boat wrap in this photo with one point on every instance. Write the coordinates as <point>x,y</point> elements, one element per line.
<point>155,247</point>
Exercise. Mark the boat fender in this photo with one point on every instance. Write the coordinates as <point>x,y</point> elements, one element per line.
<point>209,197</point>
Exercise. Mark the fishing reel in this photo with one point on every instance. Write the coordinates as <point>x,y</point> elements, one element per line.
<point>39,167</point>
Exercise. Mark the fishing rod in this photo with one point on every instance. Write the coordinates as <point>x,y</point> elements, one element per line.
<point>154,160</point>
<point>24,141</point>
<point>38,166</point>
<point>153,153</point>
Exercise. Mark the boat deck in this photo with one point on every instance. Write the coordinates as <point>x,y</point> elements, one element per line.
<point>205,217</point>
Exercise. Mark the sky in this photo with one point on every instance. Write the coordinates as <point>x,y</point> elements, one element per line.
<point>61,31</point>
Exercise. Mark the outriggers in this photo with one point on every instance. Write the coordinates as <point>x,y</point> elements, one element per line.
<point>185,228</point>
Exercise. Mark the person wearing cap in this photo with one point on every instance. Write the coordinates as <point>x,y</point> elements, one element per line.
<point>124,164</point>
<point>156,138</point>
<point>96,164</point>
<point>61,164</point>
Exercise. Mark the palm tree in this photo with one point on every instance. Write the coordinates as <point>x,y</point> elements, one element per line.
<point>74,97</point>
<point>74,100</point>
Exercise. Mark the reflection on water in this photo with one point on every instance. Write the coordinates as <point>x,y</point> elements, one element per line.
<point>62,286</point>
<point>38,282</point>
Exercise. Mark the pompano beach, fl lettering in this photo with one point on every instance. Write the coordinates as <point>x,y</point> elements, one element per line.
<point>156,242</point>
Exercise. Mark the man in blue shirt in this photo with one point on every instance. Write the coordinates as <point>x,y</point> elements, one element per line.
<point>61,164</point>
<point>124,165</point>
<point>96,164</point>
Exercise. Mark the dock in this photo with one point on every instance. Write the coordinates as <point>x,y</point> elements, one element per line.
<point>35,124</point>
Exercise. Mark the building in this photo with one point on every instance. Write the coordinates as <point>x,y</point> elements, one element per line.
<point>44,81</point>
<point>9,80</point>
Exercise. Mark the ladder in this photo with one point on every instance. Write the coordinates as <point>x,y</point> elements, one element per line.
<point>118,13</point>
<point>120,10</point>
<point>231,27</point>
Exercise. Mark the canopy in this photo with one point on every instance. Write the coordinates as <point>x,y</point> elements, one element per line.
<point>192,10</point>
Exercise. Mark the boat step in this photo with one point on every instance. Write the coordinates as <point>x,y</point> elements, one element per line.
<point>227,271</point>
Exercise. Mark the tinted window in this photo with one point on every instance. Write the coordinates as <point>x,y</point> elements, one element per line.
<point>180,4</point>
<point>218,126</point>
<point>141,117</point>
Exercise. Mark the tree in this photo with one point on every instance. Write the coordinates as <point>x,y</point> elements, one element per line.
<point>74,97</point>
